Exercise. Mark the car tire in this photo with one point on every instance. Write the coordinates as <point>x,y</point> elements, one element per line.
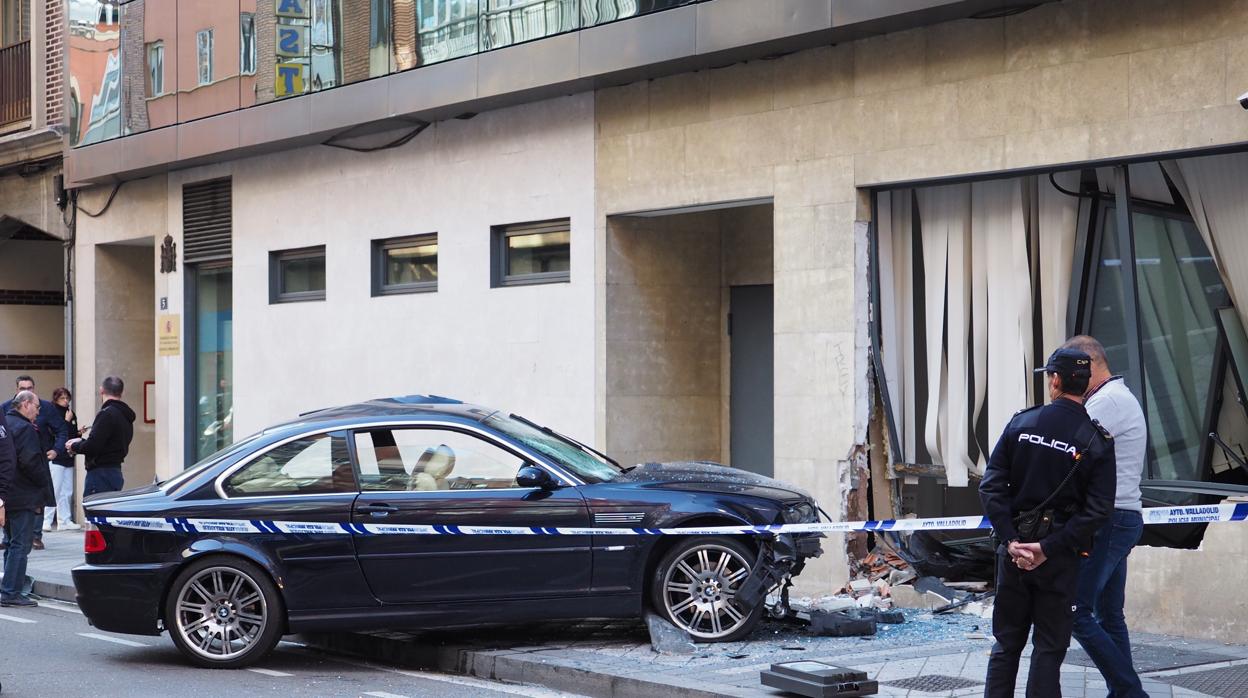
<point>224,613</point>
<point>695,584</point>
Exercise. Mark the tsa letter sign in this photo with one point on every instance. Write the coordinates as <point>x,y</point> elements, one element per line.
<point>292,43</point>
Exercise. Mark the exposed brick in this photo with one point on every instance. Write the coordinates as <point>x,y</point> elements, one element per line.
<point>32,362</point>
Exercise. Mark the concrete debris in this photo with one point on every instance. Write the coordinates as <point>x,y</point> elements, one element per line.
<point>857,586</point>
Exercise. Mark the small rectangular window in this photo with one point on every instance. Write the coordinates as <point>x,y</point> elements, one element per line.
<point>532,253</point>
<point>297,275</point>
<point>405,265</point>
<point>203,44</point>
<point>156,69</point>
<point>247,43</point>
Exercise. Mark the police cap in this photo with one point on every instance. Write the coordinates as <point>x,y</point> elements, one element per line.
<point>1068,363</point>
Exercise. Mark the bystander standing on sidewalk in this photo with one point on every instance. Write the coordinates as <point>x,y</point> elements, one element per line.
<point>62,469</point>
<point>30,492</point>
<point>51,431</point>
<point>108,442</point>
<point>1100,623</point>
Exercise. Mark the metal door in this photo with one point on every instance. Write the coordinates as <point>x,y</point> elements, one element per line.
<point>751,406</point>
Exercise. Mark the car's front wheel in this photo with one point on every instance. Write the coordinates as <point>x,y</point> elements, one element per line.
<point>695,587</point>
<point>224,613</point>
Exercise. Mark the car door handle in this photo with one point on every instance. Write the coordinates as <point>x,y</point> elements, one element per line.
<point>378,509</point>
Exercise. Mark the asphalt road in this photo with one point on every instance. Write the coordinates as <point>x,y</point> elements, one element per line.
<point>51,651</point>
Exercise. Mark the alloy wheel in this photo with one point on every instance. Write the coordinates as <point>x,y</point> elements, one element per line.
<point>221,613</point>
<point>700,589</point>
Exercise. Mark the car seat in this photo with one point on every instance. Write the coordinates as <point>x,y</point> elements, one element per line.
<point>431,469</point>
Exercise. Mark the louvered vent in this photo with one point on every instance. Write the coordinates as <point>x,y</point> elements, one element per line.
<point>207,221</point>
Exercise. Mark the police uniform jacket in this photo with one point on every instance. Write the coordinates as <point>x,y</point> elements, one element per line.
<point>1035,452</point>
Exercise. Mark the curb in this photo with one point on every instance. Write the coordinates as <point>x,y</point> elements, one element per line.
<point>511,666</point>
<point>55,591</point>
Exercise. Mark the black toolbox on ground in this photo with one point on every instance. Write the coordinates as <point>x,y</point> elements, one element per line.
<point>819,680</point>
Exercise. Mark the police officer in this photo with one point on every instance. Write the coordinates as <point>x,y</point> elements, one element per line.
<point>1051,475</point>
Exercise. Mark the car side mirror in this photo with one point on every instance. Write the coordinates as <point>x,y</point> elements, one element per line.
<point>533,476</point>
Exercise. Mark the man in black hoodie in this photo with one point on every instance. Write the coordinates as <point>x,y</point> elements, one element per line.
<point>29,492</point>
<point>108,442</point>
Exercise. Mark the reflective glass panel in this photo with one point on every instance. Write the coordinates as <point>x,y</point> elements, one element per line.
<point>95,72</point>
<point>208,57</point>
<point>303,274</point>
<point>412,264</point>
<point>603,11</point>
<point>214,359</point>
<point>1179,289</point>
<point>539,253</point>
<point>446,29</point>
<point>506,22</point>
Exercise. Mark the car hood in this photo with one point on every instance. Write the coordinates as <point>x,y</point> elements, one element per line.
<point>704,476</point>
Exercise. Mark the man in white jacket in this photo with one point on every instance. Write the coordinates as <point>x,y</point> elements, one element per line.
<point>1100,624</point>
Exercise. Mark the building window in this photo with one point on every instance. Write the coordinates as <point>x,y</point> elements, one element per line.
<point>156,69</point>
<point>532,253</point>
<point>203,43</point>
<point>405,265</point>
<point>297,275</point>
<point>247,43</point>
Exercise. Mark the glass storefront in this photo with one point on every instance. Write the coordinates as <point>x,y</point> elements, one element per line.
<point>144,64</point>
<point>213,375</point>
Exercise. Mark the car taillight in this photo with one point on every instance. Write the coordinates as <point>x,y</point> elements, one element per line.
<point>93,540</point>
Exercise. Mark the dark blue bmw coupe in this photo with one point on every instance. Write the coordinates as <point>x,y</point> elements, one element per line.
<point>205,555</point>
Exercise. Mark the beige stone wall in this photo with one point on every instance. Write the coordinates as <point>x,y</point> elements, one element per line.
<point>1063,83</point>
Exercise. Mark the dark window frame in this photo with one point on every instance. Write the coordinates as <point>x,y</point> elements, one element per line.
<point>276,258</point>
<point>378,258</point>
<point>499,253</point>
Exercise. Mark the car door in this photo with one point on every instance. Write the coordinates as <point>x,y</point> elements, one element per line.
<point>455,475</point>
<point>308,478</point>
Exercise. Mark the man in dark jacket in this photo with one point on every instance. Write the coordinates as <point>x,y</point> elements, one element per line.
<point>53,431</point>
<point>30,492</point>
<point>108,442</point>
<point>1055,465</point>
<point>8,465</point>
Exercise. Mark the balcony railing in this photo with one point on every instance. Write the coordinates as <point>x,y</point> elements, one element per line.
<point>14,83</point>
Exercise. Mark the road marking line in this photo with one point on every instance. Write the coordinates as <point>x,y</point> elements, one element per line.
<point>510,688</point>
<point>115,640</point>
<point>60,607</point>
<point>15,619</point>
<point>269,672</point>
<point>383,694</point>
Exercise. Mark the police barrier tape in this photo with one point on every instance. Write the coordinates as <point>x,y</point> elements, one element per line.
<point>1212,513</point>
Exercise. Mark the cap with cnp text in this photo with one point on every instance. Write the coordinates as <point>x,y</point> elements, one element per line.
<point>1068,363</point>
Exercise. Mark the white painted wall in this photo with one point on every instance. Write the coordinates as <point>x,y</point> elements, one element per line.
<point>526,349</point>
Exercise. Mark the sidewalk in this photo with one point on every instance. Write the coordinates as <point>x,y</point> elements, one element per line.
<point>926,656</point>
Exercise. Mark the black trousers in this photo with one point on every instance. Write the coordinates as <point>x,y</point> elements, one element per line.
<point>1043,599</point>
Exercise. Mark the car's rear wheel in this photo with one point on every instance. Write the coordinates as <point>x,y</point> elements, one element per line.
<point>695,587</point>
<point>224,613</point>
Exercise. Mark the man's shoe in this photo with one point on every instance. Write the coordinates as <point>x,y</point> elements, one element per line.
<point>69,526</point>
<point>19,601</point>
<point>37,545</point>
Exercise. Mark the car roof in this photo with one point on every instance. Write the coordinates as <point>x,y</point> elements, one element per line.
<point>381,409</point>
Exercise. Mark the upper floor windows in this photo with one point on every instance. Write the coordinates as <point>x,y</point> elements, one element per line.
<point>247,43</point>
<point>156,69</point>
<point>532,253</point>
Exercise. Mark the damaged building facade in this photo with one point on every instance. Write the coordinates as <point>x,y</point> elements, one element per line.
<point>822,240</point>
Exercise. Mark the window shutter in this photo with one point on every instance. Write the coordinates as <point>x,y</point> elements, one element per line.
<point>207,221</point>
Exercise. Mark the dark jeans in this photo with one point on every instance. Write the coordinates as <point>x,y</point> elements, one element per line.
<point>102,480</point>
<point>1100,625</point>
<point>1042,599</point>
<point>20,528</point>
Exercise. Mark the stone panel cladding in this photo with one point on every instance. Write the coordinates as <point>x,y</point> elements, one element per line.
<point>54,60</point>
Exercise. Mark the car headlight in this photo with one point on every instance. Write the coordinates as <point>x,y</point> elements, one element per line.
<point>802,512</point>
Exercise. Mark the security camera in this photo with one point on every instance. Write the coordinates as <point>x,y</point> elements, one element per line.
<point>1243,100</point>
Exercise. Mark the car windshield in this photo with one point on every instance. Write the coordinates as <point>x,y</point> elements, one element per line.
<point>580,461</point>
<point>186,475</point>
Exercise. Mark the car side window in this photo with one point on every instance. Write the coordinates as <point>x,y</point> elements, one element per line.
<point>427,460</point>
<point>317,464</point>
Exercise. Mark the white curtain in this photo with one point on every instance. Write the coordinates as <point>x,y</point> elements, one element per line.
<point>990,251</point>
<point>1213,187</point>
